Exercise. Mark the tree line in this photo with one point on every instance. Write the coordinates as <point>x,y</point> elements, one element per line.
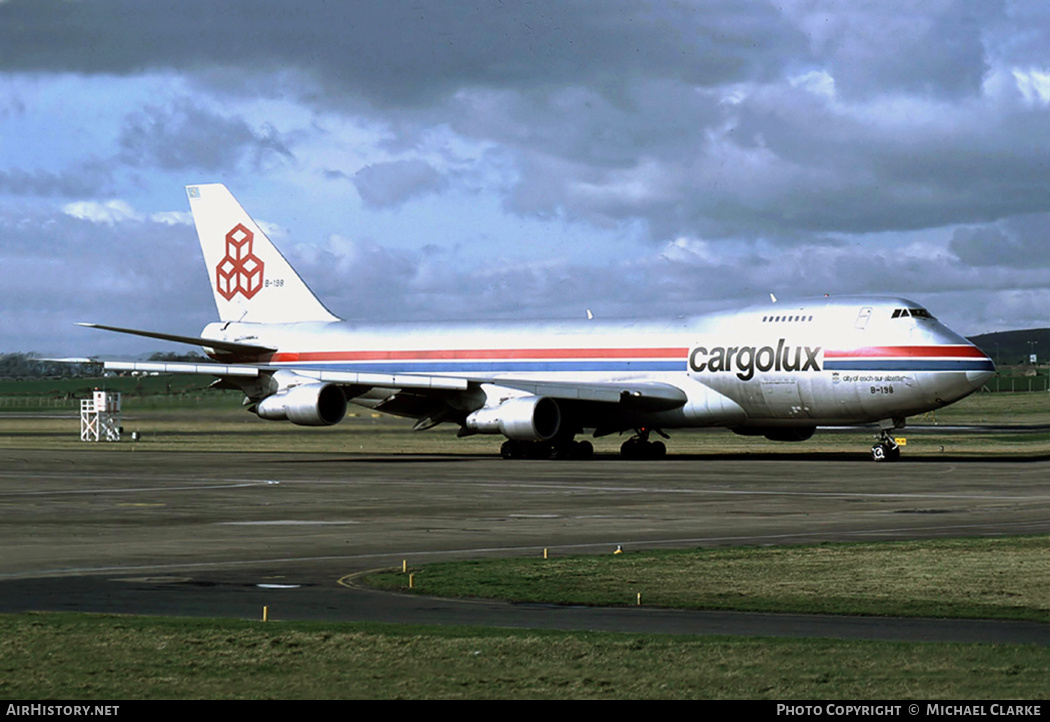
<point>31,365</point>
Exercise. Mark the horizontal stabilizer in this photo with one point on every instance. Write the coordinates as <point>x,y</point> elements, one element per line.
<point>230,346</point>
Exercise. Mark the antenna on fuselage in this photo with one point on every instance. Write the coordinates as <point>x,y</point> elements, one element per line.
<point>772,298</point>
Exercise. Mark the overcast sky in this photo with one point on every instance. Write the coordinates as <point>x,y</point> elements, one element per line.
<point>435,159</point>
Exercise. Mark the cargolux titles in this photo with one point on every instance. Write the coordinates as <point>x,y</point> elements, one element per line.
<point>746,359</point>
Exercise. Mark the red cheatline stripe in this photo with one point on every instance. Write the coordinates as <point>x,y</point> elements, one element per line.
<point>483,354</point>
<point>908,352</point>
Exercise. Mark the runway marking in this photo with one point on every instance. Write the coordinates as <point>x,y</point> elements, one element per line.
<point>547,486</point>
<point>150,489</point>
<point>215,484</point>
<point>284,522</point>
<point>541,486</point>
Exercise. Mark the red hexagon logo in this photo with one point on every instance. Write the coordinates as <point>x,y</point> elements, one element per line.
<point>240,270</point>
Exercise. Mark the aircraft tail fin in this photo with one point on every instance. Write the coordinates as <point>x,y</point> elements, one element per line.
<point>250,279</point>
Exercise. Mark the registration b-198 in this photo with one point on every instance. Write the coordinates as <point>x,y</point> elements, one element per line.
<point>879,385</point>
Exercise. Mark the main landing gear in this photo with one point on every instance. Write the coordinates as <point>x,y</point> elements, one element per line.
<point>560,449</point>
<point>885,449</point>
<point>639,446</point>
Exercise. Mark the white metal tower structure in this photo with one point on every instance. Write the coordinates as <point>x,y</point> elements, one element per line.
<point>100,417</point>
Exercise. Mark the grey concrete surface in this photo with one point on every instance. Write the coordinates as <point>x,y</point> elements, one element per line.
<point>198,533</point>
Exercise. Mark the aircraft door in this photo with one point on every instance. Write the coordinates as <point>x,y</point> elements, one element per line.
<point>862,318</point>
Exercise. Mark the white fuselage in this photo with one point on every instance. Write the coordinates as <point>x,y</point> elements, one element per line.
<point>822,362</point>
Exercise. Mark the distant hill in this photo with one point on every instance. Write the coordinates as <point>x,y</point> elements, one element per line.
<point>1011,348</point>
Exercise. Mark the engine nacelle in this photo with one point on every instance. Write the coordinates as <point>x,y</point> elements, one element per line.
<point>314,404</point>
<point>529,418</point>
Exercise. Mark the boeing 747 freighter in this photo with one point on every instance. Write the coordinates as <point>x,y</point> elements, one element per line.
<point>779,370</point>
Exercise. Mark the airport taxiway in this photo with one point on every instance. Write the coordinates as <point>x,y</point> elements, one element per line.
<point>222,534</point>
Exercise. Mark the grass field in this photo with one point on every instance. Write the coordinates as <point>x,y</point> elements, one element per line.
<point>998,578</point>
<point>80,657</point>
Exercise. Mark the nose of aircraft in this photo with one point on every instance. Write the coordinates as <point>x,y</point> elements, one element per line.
<point>983,373</point>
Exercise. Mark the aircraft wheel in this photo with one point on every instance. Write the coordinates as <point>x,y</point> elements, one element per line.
<point>564,450</point>
<point>585,450</point>
<point>538,450</point>
<point>885,452</point>
<point>635,448</point>
<point>631,449</point>
<point>511,449</point>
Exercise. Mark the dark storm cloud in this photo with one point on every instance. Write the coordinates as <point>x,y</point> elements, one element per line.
<point>183,136</point>
<point>390,184</point>
<point>801,146</point>
<point>613,110</point>
<point>1021,35</point>
<point>128,272</point>
<point>932,48</point>
<point>1012,243</point>
<point>85,180</point>
<point>404,52</point>
<point>783,162</point>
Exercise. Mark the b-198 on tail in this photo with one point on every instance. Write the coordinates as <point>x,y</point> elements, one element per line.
<point>779,370</point>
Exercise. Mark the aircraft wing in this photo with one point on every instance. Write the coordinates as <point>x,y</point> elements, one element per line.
<point>341,378</point>
<point>178,367</point>
<point>635,395</point>
<point>638,395</point>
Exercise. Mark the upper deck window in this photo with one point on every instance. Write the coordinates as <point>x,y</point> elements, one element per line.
<point>786,319</point>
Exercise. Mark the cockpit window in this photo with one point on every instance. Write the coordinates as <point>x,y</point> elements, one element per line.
<point>912,312</point>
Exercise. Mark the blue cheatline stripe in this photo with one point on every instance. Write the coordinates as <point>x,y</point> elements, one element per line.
<point>465,367</point>
<point>910,365</point>
<point>468,367</point>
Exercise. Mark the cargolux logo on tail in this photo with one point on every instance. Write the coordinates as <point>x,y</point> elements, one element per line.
<point>240,270</point>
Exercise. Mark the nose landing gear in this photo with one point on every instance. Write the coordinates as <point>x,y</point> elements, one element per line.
<point>886,449</point>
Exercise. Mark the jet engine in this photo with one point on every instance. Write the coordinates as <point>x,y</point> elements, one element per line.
<point>313,404</point>
<point>528,418</point>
